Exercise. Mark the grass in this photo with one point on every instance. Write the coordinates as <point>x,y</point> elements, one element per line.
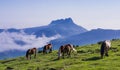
<point>87,58</point>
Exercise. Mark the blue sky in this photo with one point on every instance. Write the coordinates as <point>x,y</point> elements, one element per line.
<point>90,14</point>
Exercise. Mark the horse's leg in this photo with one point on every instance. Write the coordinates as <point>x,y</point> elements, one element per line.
<point>27,57</point>
<point>50,50</point>
<point>30,56</point>
<point>102,50</point>
<point>102,55</point>
<point>59,54</point>
<point>70,53</point>
<point>106,52</point>
<point>35,54</point>
<point>63,55</point>
<point>46,51</point>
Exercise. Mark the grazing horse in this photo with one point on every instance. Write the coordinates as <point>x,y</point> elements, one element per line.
<point>30,52</point>
<point>68,48</point>
<point>105,47</point>
<point>47,47</point>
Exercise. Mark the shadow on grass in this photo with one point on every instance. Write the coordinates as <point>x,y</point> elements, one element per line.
<point>9,68</point>
<point>118,45</point>
<point>91,59</point>
<point>6,61</point>
<point>56,59</point>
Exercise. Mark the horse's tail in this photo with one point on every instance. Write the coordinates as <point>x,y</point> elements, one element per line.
<point>27,53</point>
<point>102,51</point>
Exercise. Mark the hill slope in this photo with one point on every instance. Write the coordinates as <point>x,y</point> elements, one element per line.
<point>87,58</point>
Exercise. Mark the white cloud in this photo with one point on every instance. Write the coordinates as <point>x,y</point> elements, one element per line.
<point>7,41</point>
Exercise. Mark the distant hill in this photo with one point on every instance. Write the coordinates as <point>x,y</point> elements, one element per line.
<point>89,37</point>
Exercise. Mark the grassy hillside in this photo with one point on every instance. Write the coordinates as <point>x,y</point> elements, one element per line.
<point>87,58</point>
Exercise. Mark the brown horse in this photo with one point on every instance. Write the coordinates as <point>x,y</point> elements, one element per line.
<point>30,52</point>
<point>105,47</point>
<point>65,49</point>
<point>47,47</point>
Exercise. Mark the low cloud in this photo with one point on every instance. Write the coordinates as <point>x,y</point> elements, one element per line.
<point>22,41</point>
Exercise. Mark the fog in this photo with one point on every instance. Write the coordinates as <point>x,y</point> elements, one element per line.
<point>22,41</point>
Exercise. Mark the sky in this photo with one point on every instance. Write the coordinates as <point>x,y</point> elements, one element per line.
<point>90,14</point>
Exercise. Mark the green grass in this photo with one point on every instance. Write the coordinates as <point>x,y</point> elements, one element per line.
<point>87,58</point>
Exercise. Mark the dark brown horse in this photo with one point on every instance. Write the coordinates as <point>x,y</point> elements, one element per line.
<point>47,47</point>
<point>104,48</point>
<point>30,52</point>
<point>65,49</point>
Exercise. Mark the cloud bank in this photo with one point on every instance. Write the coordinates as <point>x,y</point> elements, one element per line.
<point>22,41</point>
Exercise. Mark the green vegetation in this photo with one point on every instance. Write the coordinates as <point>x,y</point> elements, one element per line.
<point>87,58</point>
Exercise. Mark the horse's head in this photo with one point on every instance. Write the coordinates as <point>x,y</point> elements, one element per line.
<point>60,51</point>
<point>27,53</point>
<point>72,47</point>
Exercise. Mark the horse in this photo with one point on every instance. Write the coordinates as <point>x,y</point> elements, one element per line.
<point>47,47</point>
<point>65,49</point>
<point>105,47</point>
<point>30,52</point>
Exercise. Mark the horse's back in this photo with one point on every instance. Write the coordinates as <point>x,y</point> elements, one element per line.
<point>48,46</point>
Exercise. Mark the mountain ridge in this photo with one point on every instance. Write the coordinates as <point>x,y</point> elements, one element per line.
<point>63,27</point>
<point>89,37</point>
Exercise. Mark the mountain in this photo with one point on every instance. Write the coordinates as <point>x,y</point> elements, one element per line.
<point>64,27</point>
<point>11,30</point>
<point>89,37</point>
